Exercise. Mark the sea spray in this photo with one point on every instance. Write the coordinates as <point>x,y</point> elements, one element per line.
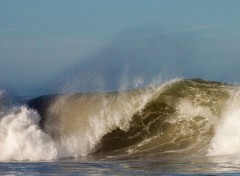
<point>81,122</point>
<point>22,139</point>
<point>226,140</point>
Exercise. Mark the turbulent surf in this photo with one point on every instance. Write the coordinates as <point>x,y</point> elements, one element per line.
<point>185,116</point>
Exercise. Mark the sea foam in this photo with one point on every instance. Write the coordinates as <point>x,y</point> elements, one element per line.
<point>22,139</point>
<point>226,140</point>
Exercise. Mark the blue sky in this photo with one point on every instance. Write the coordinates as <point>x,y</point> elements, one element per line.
<point>42,40</point>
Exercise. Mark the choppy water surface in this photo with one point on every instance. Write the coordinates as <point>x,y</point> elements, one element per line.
<point>165,164</point>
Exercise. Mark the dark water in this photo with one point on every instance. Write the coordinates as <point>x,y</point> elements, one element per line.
<point>181,127</point>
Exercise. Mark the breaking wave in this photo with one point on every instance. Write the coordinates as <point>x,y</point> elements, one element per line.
<point>182,116</point>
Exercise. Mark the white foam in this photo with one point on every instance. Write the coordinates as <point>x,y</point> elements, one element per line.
<point>226,140</point>
<point>187,111</point>
<point>22,139</point>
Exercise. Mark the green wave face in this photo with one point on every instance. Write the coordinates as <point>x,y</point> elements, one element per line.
<point>181,116</point>
<point>177,117</point>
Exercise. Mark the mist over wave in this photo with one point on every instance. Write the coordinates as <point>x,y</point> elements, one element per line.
<point>181,116</point>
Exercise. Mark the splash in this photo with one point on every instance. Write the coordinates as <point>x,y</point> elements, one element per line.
<point>226,140</point>
<point>22,139</point>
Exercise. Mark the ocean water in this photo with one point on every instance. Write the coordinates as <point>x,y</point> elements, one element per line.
<point>181,127</point>
<point>165,165</point>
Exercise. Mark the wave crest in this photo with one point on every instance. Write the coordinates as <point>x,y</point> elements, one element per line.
<point>181,116</point>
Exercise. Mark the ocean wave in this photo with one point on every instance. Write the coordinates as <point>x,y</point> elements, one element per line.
<point>182,116</point>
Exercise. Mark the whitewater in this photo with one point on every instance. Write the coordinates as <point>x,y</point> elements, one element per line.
<point>183,120</point>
